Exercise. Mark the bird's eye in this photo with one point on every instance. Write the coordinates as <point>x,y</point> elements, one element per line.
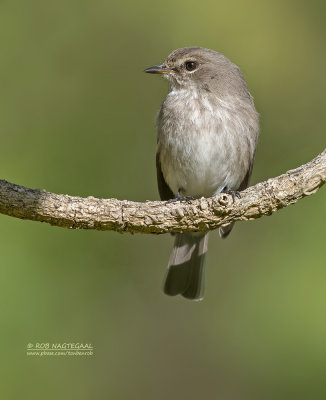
<point>191,65</point>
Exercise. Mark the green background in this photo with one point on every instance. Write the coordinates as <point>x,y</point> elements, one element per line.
<point>77,116</point>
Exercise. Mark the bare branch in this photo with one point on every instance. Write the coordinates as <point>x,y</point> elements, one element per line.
<point>162,217</point>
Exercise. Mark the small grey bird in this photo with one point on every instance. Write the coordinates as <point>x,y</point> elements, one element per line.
<point>207,134</point>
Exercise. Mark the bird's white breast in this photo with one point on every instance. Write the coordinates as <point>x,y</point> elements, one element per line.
<point>199,144</point>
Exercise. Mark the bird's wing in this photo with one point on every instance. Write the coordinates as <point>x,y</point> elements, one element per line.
<point>226,229</point>
<point>163,188</point>
<point>245,183</point>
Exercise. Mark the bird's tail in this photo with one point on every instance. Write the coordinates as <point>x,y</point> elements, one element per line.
<point>185,273</point>
<point>225,230</point>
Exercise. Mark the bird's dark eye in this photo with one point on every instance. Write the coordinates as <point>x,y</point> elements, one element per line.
<point>191,65</point>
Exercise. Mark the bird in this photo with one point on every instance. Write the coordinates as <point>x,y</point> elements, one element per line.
<point>207,131</point>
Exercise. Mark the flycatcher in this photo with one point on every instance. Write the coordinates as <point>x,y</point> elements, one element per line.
<point>207,135</point>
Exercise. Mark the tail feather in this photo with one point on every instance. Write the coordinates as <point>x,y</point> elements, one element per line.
<point>185,274</point>
<point>225,230</point>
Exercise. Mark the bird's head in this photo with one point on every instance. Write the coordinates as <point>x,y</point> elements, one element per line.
<point>198,67</point>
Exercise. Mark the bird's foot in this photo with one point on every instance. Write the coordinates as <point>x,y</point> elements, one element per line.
<point>178,197</point>
<point>186,198</point>
<point>234,193</point>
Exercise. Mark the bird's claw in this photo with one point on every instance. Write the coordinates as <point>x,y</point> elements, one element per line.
<point>234,193</point>
<point>178,197</point>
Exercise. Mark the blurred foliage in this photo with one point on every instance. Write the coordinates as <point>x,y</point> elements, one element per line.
<point>77,116</point>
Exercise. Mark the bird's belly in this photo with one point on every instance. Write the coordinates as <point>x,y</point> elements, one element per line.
<point>198,163</point>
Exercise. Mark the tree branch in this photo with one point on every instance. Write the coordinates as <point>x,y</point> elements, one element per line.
<point>160,216</point>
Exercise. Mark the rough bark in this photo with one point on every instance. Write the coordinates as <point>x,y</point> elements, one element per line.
<point>158,216</point>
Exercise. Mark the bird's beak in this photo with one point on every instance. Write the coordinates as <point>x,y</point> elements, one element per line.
<point>158,69</point>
